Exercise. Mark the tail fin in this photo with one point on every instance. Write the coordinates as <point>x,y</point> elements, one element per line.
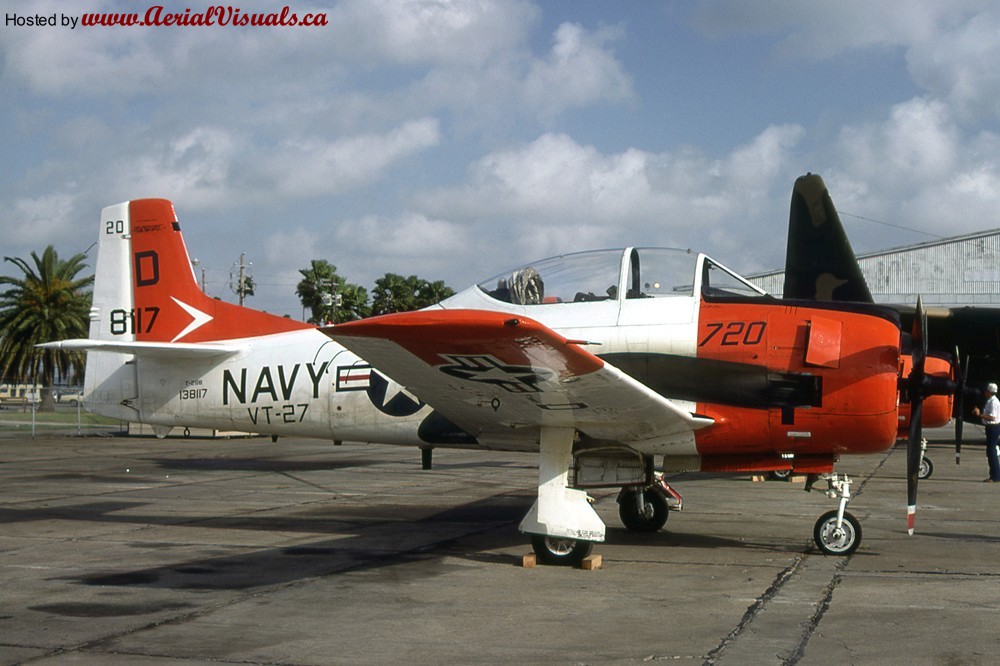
<point>146,289</point>
<point>819,263</point>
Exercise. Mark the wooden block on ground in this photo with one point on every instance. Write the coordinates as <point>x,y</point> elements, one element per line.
<point>591,562</point>
<point>529,561</point>
<point>797,478</point>
<point>757,478</point>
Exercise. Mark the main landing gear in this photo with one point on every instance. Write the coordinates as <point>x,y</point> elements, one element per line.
<point>562,524</point>
<point>837,532</point>
<point>641,509</point>
<point>647,509</point>
<point>560,550</point>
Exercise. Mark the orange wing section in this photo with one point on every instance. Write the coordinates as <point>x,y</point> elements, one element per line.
<point>432,335</point>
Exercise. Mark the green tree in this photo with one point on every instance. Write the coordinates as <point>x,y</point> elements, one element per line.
<point>50,302</point>
<point>328,296</point>
<point>395,293</point>
<point>433,292</point>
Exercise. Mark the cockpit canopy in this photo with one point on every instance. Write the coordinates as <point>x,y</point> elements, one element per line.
<point>603,275</point>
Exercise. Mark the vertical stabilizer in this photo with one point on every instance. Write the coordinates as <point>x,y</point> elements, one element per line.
<point>145,291</point>
<point>819,263</point>
<point>110,381</point>
<point>168,304</point>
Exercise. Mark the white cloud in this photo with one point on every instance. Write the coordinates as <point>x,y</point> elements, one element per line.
<point>410,243</point>
<point>579,71</point>
<point>960,65</point>
<point>430,31</point>
<point>41,221</point>
<point>556,195</point>
<point>301,243</point>
<point>312,165</point>
<point>556,179</point>
<point>825,28</point>
<point>916,169</point>
<point>917,144</point>
<point>194,168</point>
<point>410,235</point>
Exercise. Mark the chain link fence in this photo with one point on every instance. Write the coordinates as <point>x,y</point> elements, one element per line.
<point>30,410</point>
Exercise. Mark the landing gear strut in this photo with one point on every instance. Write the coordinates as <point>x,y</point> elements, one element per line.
<point>837,532</point>
<point>562,524</point>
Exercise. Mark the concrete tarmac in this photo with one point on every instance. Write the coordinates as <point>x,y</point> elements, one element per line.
<point>178,552</point>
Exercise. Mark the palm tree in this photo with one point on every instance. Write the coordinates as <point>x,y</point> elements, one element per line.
<point>328,296</point>
<point>431,293</point>
<point>48,304</point>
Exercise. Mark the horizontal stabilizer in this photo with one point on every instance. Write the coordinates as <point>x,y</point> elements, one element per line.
<point>150,349</point>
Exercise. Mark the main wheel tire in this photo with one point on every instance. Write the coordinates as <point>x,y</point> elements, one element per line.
<point>656,514</point>
<point>560,550</point>
<point>926,468</point>
<point>832,541</point>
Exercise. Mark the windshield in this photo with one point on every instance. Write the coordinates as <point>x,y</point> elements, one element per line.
<point>568,278</point>
<point>717,281</point>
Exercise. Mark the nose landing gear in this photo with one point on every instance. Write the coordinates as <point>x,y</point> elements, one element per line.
<point>837,532</point>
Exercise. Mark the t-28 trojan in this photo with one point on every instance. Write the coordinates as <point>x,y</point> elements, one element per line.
<point>616,366</point>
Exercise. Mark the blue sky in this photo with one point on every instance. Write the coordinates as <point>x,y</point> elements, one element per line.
<point>453,140</point>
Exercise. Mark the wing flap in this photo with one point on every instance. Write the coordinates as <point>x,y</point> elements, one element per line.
<point>492,373</point>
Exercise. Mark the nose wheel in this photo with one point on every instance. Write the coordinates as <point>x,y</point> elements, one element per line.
<point>837,532</point>
<point>926,468</point>
<point>834,536</point>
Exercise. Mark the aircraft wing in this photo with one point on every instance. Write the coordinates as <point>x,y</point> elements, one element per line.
<point>152,349</point>
<point>492,372</point>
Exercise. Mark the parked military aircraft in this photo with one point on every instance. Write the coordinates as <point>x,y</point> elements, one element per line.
<point>615,365</point>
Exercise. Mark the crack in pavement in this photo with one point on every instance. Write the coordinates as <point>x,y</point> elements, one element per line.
<point>766,627</point>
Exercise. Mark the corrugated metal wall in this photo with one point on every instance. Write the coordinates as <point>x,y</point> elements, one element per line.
<point>956,271</point>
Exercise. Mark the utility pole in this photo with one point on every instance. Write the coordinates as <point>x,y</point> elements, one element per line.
<point>194,264</point>
<point>242,282</point>
<point>331,299</point>
<point>243,276</point>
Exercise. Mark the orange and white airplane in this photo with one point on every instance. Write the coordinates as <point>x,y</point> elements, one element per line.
<point>615,365</point>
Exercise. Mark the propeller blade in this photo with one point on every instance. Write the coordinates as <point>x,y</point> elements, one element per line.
<point>963,377</point>
<point>913,454</point>
<point>916,390</point>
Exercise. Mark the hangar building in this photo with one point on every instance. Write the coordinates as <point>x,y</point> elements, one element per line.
<point>962,270</point>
